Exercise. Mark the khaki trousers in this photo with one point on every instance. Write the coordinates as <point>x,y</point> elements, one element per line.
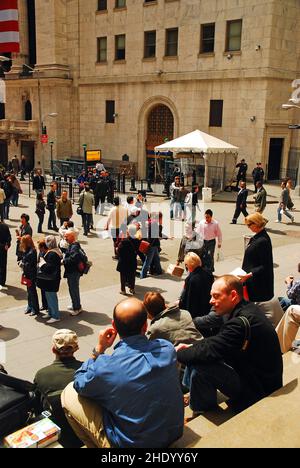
<point>288,327</point>
<point>85,418</point>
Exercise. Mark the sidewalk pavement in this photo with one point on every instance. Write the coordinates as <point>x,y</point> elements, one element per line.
<point>27,340</point>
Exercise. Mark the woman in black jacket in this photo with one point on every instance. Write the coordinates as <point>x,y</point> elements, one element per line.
<point>49,275</point>
<point>29,266</point>
<point>127,264</point>
<point>258,261</point>
<point>40,211</point>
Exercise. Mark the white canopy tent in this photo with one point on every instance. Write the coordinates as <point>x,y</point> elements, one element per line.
<point>198,142</point>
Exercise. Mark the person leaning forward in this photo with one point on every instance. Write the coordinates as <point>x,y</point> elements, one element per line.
<point>131,398</point>
<point>243,360</point>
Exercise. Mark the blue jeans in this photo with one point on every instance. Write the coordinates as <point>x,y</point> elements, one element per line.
<point>73,284</point>
<point>205,379</point>
<point>152,256</point>
<point>33,301</point>
<point>87,221</point>
<point>285,302</point>
<point>285,211</point>
<point>6,208</point>
<point>52,302</point>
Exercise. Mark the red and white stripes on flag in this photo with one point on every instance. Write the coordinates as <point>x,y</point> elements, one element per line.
<point>9,26</point>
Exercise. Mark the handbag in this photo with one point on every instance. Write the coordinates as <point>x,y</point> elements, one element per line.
<point>144,247</point>
<point>26,281</point>
<point>79,208</point>
<point>175,270</point>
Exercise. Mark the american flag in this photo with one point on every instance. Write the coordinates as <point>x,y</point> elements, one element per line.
<point>9,26</point>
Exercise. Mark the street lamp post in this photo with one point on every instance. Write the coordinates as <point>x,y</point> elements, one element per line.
<point>51,156</point>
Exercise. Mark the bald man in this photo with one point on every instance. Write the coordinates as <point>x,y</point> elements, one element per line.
<point>243,360</point>
<point>132,398</point>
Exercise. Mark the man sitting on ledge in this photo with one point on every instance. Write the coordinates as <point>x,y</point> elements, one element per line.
<point>131,398</point>
<point>243,360</point>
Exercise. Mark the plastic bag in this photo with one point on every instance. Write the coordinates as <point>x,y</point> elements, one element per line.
<point>220,256</point>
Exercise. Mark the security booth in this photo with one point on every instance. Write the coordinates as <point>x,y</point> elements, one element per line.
<point>199,152</point>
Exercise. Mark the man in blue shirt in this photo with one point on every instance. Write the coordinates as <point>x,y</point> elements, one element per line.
<point>132,398</point>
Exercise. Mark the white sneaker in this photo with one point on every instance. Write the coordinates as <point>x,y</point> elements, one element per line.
<point>75,312</point>
<point>53,320</point>
<point>46,316</point>
<point>277,221</point>
<point>292,219</point>
<point>70,307</point>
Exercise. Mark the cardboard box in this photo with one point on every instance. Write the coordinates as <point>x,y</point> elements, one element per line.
<point>37,435</point>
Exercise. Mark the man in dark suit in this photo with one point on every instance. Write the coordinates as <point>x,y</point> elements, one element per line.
<point>243,360</point>
<point>241,175</point>
<point>38,182</point>
<point>5,242</point>
<point>241,203</point>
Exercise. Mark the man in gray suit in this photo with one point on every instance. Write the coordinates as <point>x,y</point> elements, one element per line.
<point>260,197</point>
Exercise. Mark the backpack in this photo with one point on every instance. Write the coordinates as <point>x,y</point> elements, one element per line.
<point>18,403</point>
<point>84,265</point>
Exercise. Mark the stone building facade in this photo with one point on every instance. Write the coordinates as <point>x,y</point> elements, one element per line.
<point>124,75</point>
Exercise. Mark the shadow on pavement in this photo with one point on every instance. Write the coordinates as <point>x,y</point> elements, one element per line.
<point>19,294</point>
<point>8,334</point>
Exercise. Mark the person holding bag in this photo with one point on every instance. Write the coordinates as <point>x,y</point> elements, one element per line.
<point>29,267</point>
<point>40,211</point>
<point>49,276</point>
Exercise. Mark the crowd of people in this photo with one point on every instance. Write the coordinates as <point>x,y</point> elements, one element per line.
<point>216,337</point>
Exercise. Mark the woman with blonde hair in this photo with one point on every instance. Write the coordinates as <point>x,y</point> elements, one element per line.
<point>258,261</point>
<point>29,266</point>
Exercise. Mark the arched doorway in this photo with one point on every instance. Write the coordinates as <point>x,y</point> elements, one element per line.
<point>160,128</point>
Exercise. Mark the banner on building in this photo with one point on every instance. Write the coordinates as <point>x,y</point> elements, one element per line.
<point>9,26</point>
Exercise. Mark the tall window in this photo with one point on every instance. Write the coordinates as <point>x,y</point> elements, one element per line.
<point>102,5</point>
<point>149,44</point>
<point>120,4</point>
<point>171,42</point>
<point>216,113</point>
<point>120,47</point>
<point>233,35</point>
<point>2,110</point>
<point>110,111</point>
<point>28,110</point>
<point>101,49</point>
<point>207,43</point>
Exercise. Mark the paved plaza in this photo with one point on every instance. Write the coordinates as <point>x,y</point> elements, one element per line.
<point>27,341</point>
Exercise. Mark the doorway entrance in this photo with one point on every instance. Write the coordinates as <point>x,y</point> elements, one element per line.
<point>275,157</point>
<point>3,153</point>
<point>27,148</point>
<point>160,128</point>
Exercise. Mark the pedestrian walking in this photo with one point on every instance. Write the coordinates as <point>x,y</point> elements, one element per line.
<point>282,208</point>
<point>29,267</point>
<point>241,203</point>
<point>5,243</point>
<point>209,230</point>
<point>40,211</point>
<point>260,199</point>
<point>51,206</point>
<point>72,259</point>
<point>64,208</point>
<point>86,202</point>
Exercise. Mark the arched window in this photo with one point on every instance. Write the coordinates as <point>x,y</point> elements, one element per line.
<point>28,110</point>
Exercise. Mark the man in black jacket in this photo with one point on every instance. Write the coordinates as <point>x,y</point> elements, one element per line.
<point>38,183</point>
<point>72,259</point>
<point>5,242</point>
<point>243,360</point>
<point>241,203</point>
<point>51,205</point>
<point>195,296</point>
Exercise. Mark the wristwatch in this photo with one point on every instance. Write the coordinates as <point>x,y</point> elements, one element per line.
<point>96,353</point>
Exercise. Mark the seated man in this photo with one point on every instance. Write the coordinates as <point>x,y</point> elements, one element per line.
<point>169,322</point>
<point>243,360</point>
<point>51,380</point>
<point>288,327</point>
<point>292,292</point>
<point>131,398</point>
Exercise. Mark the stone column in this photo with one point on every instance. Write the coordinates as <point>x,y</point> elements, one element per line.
<point>19,58</point>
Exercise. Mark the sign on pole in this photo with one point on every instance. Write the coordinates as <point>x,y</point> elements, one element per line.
<point>44,139</point>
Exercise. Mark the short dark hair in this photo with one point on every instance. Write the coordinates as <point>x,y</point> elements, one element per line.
<point>131,326</point>
<point>209,212</point>
<point>116,201</point>
<point>70,224</point>
<point>232,283</point>
<point>130,199</point>
<point>25,216</point>
<point>154,303</point>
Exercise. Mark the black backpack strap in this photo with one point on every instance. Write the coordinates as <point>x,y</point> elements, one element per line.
<point>247,332</point>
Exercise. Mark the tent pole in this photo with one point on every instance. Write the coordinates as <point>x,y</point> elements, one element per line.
<point>205,170</point>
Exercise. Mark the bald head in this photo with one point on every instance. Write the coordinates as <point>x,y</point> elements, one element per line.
<point>130,318</point>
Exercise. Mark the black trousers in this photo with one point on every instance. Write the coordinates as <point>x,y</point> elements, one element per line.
<point>52,220</point>
<point>127,279</point>
<point>237,213</point>
<point>3,266</point>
